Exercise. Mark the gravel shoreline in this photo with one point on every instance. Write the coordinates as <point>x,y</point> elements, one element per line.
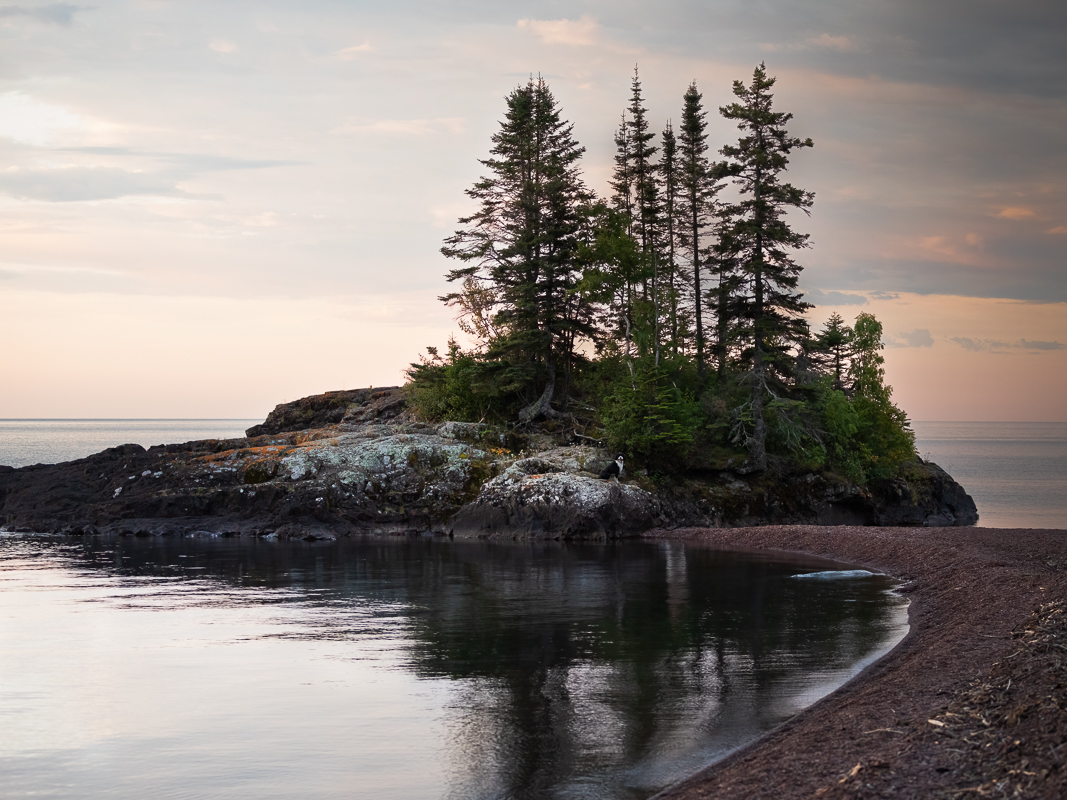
<point>983,660</point>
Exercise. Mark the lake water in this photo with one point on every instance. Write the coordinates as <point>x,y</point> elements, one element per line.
<point>1015,471</point>
<point>408,668</point>
<point>51,441</point>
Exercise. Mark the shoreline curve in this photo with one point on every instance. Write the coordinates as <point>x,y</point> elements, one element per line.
<point>873,737</point>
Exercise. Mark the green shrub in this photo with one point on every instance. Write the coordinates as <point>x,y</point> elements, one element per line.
<point>651,418</point>
<point>458,387</point>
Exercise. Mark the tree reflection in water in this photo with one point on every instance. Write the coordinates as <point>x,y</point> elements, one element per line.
<point>580,670</point>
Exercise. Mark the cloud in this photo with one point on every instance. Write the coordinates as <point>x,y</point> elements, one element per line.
<point>187,162</point>
<point>1057,229</point>
<point>1016,212</point>
<point>920,337</point>
<point>73,184</point>
<point>820,298</point>
<point>223,46</point>
<point>978,345</point>
<point>841,44</point>
<point>1039,345</point>
<point>880,295</point>
<point>351,53</point>
<point>30,121</point>
<point>582,31</point>
<point>56,13</point>
<point>994,346</point>
<point>405,127</point>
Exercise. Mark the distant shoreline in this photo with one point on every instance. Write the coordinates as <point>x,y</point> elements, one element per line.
<point>969,587</point>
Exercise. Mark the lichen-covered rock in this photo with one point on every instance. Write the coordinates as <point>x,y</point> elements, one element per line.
<point>462,431</point>
<point>555,505</point>
<point>369,479</point>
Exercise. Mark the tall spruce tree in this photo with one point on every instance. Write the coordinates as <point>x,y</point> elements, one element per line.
<point>643,172</point>
<point>668,176</point>
<point>697,188</point>
<point>636,194</point>
<point>523,242</point>
<point>762,241</point>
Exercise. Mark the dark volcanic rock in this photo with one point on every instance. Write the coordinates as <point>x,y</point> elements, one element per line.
<point>321,410</point>
<point>924,495</point>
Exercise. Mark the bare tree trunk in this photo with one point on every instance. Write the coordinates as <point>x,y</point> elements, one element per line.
<point>542,406</point>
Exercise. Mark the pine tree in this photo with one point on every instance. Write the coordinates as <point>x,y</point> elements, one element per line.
<point>523,242</point>
<point>762,241</point>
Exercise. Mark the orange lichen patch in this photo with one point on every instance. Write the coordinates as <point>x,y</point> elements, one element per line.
<point>315,435</point>
<point>255,453</point>
<point>268,450</point>
<point>225,455</point>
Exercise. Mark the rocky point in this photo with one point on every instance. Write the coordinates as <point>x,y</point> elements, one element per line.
<point>353,462</point>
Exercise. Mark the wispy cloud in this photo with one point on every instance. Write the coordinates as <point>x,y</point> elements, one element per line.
<point>223,46</point>
<point>978,345</point>
<point>74,184</point>
<point>26,119</point>
<point>582,31</point>
<point>55,13</point>
<point>820,298</point>
<point>404,127</point>
<point>841,44</point>
<point>920,337</point>
<point>352,53</point>
<point>1039,345</point>
<point>995,346</point>
<point>1016,212</point>
<point>184,162</point>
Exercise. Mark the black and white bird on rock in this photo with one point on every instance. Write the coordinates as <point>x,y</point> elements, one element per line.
<point>612,470</point>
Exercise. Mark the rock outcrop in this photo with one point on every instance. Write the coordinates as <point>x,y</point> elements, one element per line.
<point>357,462</point>
<point>553,495</point>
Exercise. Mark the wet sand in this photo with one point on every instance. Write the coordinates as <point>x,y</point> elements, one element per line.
<point>996,697</point>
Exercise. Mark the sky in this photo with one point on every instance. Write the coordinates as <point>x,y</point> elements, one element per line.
<point>209,208</point>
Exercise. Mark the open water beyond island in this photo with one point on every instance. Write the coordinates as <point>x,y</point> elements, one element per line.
<point>408,668</point>
<point>51,441</point>
<point>1015,471</point>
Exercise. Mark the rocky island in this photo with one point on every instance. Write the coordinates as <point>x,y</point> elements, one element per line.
<point>360,461</point>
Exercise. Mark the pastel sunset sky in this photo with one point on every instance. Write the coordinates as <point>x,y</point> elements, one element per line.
<point>207,208</point>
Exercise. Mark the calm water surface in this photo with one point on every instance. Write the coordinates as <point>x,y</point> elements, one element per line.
<point>408,668</point>
<point>1015,471</point>
<point>51,441</point>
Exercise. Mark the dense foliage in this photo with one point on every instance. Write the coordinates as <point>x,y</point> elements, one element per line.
<point>664,319</point>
